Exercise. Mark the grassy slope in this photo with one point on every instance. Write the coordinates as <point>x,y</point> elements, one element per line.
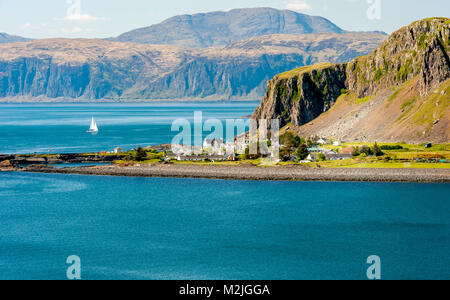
<point>302,70</point>
<point>399,115</point>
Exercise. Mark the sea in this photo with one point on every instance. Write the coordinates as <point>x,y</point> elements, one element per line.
<point>171,228</point>
<point>61,128</point>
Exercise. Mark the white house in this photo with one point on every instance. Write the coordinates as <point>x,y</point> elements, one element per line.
<point>323,142</point>
<point>326,152</point>
<point>337,143</point>
<point>309,159</point>
<point>118,150</point>
<point>212,143</point>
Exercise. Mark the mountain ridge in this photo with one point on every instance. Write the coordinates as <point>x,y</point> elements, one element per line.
<point>220,28</point>
<point>7,38</point>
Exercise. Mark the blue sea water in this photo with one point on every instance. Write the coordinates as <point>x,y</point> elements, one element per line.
<point>61,128</point>
<point>151,228</point>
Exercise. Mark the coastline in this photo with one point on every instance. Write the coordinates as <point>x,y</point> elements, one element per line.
<point>31,100</point>
<point>247,172</point>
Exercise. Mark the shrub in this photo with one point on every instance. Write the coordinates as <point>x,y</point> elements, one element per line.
<point>344,91</point>
<point>302,152</point>
<point>378,75</point>
<point>322,157</point>
<point>366,150</point>
<point>141,155</point>
<point>391,147</point>
<point>290,139</point>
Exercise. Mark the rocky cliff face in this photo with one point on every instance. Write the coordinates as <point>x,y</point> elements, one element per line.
<point>97,69</point>
<point>415,58</point>
<point>421,49</point>
<point>302,95</point>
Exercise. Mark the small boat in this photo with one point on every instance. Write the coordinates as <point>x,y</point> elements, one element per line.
<point>94,127</point>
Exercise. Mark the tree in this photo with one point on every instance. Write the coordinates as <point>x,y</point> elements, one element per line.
<point>302,152</point>
<point>356,151</point>
<point>366,150</point>
<point>288,139</point>
<point>322,157</point>
<point>377,150</point>
<point>285,153</point>
<point>253,155</point>
<point>141,155</point>
<point>298,141</point>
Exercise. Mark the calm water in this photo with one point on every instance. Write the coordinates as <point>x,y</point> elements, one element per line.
<point>150,228</point>
<point>61,128</point>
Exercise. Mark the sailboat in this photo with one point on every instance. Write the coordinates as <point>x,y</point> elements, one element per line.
<point>94,127</point>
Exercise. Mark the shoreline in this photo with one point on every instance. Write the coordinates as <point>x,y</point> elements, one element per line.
<point>247,172</point>
<point>122,101</point>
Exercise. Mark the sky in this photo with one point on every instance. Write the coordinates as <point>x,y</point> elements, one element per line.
<point>109,18</point>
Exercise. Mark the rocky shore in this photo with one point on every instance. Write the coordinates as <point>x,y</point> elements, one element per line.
<point>250,172</point>
<point>37,159</point>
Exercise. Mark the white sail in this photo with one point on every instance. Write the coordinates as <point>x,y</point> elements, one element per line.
<point>93,128</point>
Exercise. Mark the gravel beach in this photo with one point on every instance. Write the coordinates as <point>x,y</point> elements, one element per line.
<point>248,172</point>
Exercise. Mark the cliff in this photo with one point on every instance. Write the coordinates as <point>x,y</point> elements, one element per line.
<point>421,49</point>
<point>399,92</point>
<point>302,95</point>
<point>97,69</point>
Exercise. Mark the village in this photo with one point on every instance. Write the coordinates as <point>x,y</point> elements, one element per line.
<point>217,150</point>
<point>288,149</point>
<point>293,149</point>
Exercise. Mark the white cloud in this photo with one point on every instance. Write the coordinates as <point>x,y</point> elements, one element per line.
<point>297,5</point>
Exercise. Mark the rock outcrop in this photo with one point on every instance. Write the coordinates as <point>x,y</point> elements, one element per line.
<point>6,166</point>
<point>402,84</point>
<point>421,49</point>
<point>302,95</point>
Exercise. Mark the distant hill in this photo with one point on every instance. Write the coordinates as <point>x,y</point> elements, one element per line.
<point>97,69</point>
<point>6,38</point>
<point>399,92</point>
<point>221,28</point>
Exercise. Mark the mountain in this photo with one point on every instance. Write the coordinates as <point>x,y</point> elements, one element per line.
<point>94,69</point>
<point>222,28</point>
<point>399,92</point>
<point>6,38</point>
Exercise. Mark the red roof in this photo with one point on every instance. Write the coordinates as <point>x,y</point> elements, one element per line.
<point>347,151</point>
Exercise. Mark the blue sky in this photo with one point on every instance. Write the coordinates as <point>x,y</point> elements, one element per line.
<point>105,18</point>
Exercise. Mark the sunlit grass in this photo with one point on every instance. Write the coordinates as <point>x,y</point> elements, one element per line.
<point>393,165</point>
